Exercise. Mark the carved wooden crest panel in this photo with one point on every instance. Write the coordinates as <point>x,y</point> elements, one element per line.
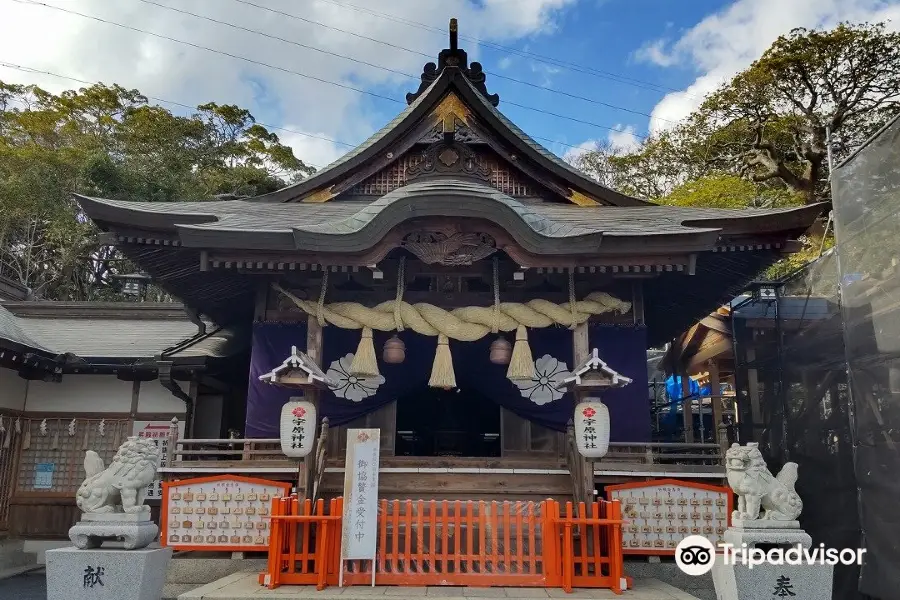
<point>449,158</point>
<point>461,133</point>
<point>502,176</point>
<point>454,249</point>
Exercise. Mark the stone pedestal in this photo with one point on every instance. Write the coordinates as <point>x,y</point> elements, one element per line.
<point>136,530</point>
<point>106,574</point>
<point>767,581</point>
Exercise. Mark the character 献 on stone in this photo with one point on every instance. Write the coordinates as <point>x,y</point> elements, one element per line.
<point>758,489</point>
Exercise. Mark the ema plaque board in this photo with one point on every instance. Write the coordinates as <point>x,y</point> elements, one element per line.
<point>228,513</point>
<point>661,513</point>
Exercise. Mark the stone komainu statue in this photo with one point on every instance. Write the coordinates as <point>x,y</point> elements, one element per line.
<point>757,489</point>
<point>121,486</point>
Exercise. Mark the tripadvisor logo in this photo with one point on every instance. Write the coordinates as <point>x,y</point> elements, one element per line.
<point>696,555</point>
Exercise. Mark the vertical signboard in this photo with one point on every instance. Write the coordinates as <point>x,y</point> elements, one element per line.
<point>158,431</point>
<point>360,497</point>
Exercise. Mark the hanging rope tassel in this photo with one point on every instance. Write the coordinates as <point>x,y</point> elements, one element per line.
<point>442,375</point>
<point>365,363</point>
<point>521,364</point>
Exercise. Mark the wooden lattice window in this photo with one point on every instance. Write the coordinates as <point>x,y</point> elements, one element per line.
<point>9,441</point>
<point>507,180</point>
<point>54,462</point>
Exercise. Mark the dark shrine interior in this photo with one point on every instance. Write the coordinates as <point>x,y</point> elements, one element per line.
<point>459,422</point>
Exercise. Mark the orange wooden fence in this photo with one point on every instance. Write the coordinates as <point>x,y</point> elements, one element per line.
<point>463,543</point>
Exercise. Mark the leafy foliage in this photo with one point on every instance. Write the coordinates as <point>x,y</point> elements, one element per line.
<point>761,139</point>
<point>109,141</point>
<point>769,123</point>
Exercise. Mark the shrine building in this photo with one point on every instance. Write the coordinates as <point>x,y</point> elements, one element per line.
<point>448,282</point>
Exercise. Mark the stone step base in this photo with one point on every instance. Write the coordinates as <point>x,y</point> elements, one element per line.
<point>171,591</point>
<point>245,587</point>
<point>13,555</point>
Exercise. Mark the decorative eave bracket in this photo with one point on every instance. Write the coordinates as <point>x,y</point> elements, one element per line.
<point>297,371</point>
<point>595,374</point>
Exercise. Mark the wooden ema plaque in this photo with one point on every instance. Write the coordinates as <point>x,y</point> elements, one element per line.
<point>225,513</point>
<point>658,514</point>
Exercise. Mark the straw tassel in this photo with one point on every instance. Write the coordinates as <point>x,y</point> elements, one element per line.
<point>365,363</point>
<point>26,439</point>
<point>521,364</point>
<point>442,375</point>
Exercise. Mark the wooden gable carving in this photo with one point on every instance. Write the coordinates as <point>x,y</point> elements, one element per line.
<point>451,140</point>
<point>496,172</point>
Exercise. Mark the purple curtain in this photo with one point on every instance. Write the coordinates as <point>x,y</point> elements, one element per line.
<point>622,348</point>
<point>625,350</point>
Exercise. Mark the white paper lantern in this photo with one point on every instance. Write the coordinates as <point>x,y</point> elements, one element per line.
<point>592,428</point>
<point>298,428</point>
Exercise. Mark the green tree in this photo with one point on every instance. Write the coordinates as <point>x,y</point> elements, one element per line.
<point>109,141</point>
<point>769,124</point>
<point>772,120</point>
<point>729,191</point>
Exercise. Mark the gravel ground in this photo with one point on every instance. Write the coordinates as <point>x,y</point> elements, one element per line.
<point>31,586</point>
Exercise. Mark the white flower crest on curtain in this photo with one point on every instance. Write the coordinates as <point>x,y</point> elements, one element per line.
<point>547,384</point>
<point>350,386</point>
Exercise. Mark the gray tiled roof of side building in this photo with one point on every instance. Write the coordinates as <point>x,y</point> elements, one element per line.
<point>118,338</point>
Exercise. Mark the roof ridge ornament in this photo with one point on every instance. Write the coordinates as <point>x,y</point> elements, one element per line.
<point>454,57</point>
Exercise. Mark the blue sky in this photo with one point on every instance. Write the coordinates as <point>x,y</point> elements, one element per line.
<point>602,36</point>
<point>675,51</point>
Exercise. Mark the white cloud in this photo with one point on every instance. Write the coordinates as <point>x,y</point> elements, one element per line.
<point>655,52</point>
<point>623,139</point>
<point>93,51</point>
<point>728,41</point>
<point>311,150</point>
<point>620,141</point>
<point>572,154</point>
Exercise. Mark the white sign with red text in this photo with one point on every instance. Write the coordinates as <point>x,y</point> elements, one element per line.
<point>361,494</point>
<point>158,431</point>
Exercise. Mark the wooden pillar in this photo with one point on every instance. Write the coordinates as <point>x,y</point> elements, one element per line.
<point>715,387</point>
<point>581,352</point>
<point>753,391</point>
<point>687,412</point>
<point>314,351</point>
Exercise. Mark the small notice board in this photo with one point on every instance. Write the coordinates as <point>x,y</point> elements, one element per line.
<point>226,513</point>
<point>661,513</point>
<point>158,432</point>
<point>360,518</point>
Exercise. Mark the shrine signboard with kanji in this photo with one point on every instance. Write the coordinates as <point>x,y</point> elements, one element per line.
<point>298,427</point>
<point>158,431</point>
<point>224,512</point>
<point>361,494</point>
<point>661,513</point>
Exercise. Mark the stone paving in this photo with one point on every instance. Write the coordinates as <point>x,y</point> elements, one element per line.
<point>244,586</point>
<point>31,586</point>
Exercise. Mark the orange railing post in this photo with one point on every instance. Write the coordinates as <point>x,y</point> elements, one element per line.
<point>616,561</point>
<point>273,567</point>
<point>504,543</point>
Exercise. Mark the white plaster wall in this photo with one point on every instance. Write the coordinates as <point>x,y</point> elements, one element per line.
<point>80,393</point>
<point>154,398</point>
<point>12,389</point>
